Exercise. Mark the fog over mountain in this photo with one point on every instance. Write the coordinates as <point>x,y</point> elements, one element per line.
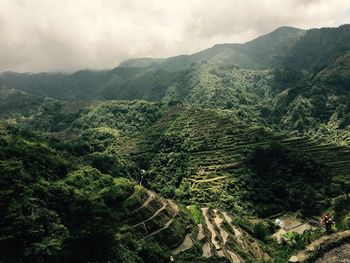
<point>157,131</point>
<point>67,35</point>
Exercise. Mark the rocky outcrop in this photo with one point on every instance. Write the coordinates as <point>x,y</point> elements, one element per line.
<point>320,246</point>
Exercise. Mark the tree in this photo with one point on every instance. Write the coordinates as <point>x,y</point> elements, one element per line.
<point>260,231</point>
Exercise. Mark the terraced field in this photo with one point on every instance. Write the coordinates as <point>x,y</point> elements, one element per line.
<point>155,216</point>
<point>217,144</point>
<point>215,236</point>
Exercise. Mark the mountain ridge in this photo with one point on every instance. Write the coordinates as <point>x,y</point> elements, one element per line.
<point>211,52</point>
<point>197,158</point>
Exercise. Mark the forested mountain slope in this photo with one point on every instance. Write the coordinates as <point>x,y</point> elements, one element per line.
<point>290,65</point>
<point>210,158</point>
<point>213,156</point>
<point>193,156</point>
<point>318,104</point>
<point>60,197</point>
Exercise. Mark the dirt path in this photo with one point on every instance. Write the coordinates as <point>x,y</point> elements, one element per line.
<point>208,180</point>
<point>151,196</point>
<point>175,207</point>
<point>185,245</point>
<point>154,215</point>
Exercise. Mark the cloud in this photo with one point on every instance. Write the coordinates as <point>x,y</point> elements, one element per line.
<point>67,35</point>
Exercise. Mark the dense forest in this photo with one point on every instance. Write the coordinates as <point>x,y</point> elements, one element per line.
<point>193,157</point>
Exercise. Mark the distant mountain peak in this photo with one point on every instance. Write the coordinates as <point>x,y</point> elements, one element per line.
<point>287,28</point>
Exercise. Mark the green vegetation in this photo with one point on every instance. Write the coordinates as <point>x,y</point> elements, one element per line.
<point>87,160</point>
<point>230,163</point>
<point>260,231</point>
<point>196,214</point>
<point>283,180</point>
<point>53,207</point>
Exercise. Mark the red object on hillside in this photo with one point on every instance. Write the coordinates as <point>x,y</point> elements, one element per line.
<point>327,222</point>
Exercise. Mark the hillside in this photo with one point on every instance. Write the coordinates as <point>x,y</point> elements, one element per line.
<point>72,197</point>
<point>203,158</point>
<point>318,105</point>
<point>317,48</point>
<point>215,78</point>
<point>198,157</point>
<point>207,155</point>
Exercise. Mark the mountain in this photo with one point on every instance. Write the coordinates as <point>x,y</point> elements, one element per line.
<point>318,48</point>
<point>318,104</point>
<point>154,76</point>
<point>158,79</point>
<point>265,51</point>
<point>230,154</point>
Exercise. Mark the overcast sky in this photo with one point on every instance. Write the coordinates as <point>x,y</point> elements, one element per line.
<point>67,35</point>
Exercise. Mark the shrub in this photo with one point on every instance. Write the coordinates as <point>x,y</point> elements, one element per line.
<point>260,231</point>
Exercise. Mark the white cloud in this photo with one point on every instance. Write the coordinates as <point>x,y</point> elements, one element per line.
<point>66,35</point>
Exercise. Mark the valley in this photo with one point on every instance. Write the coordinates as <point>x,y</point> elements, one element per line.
<point>230,154</point>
